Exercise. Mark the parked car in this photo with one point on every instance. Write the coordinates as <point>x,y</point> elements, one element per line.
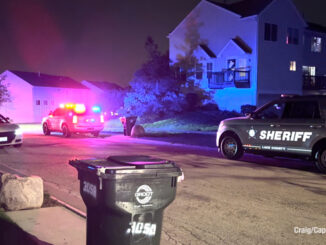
<point>73,119</point>
<point>292,126</point>
<point>10,134</point>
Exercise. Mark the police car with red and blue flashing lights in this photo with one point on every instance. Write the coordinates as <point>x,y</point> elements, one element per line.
<point>72,119</point>
<point>10,134</point>
<point>292,126</point>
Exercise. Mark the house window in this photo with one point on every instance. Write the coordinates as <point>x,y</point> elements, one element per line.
<point>316,43</point>
<point>209,70</point>
<point>309,70</point>
<point>38,102</point>
<point>292,36</point>
<point>293,65</point>
<point>270,32</point>
<point>45,102</point>
<point>199,71</point>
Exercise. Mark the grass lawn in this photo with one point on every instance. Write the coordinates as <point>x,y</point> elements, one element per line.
<point>204,121</point>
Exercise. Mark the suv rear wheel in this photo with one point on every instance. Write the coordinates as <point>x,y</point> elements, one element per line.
<point>321,160</point>
<point>231,147</point>
<point>46,130</point>
<point>65,131</point>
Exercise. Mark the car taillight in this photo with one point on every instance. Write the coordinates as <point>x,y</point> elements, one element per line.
<point>102,119</point>
<point>74,119</point>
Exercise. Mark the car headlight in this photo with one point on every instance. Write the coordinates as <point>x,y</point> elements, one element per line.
<point>18,131</point>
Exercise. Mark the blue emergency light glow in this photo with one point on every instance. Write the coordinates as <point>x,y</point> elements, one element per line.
<point>96,109</point>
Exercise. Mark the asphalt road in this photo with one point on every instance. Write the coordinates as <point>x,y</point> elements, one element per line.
<point>254,201</point>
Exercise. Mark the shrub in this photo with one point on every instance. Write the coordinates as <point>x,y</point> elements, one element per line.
<point>247,109</point>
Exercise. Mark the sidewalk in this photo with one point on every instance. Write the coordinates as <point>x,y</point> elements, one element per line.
<point>53,225</point>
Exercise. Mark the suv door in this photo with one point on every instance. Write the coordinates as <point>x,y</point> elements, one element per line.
<point>58,115</point>
<point>258,134</point>
<point>303,120</point>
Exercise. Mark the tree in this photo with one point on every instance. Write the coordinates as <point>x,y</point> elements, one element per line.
<point>4,92</point>
<point>155,92</point>
<point>187,64</point>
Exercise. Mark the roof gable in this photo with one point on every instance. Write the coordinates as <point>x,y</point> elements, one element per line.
<point>235,47</point>
<point>207,51</point>
<point>245,8</point>
<point>105,85</point>
<point>45,80</point>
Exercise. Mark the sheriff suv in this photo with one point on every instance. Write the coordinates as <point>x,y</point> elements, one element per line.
<point>292,126</point>
<point>72,119</point>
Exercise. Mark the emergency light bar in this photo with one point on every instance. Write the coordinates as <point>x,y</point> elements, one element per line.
<point>96,109</point>
<point>78,108</point>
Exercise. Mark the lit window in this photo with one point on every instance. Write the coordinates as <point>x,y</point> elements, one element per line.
<point>45,102</point>
<point>38,102</point>
<point>293,66</point>
<point>270,32</point>
<point>292,36</point>
<point>316,43</point>
<point>209,70</point>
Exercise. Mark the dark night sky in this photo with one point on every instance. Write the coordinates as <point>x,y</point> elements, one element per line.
<point>99,40</point>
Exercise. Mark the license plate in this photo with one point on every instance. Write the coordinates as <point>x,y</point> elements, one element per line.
<point>3,139</point>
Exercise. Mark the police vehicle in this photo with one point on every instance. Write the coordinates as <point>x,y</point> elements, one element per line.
<point>10,134</point>
<point>74,118</point>
<point>292,126</point>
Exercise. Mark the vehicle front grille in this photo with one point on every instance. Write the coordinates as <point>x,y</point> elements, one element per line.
<point>10,136</point>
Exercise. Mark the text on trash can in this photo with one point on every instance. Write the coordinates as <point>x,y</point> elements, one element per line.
<point>142,228</point>
<point>89,189</point>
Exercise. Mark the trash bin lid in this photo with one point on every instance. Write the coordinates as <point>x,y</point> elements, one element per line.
<point>140,161</point>
<point>121,164</point>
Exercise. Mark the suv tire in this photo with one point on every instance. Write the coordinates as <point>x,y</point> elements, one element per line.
<point>46,130</point>
<point>321,160</point>
<point>65,131</point>
<point>231,147</point>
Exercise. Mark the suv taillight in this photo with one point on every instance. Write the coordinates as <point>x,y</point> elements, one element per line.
<point>102,119</point>
<point>74,119</point>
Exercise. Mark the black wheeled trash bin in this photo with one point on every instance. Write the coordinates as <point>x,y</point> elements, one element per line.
<point>125,197</point>
<point>128,123</point>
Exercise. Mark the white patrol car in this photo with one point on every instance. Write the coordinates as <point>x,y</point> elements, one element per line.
<point>74,119</point>
<point>10,134</point>
<point>292,126</point>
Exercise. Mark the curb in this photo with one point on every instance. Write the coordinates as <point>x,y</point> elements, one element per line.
<point>69,207</point>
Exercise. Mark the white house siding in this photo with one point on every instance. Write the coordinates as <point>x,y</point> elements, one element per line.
<point>20,109</point>
<point>109,100</point>
<point>51,97</point>
<point>274,75</point>
<point>217,27</point>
